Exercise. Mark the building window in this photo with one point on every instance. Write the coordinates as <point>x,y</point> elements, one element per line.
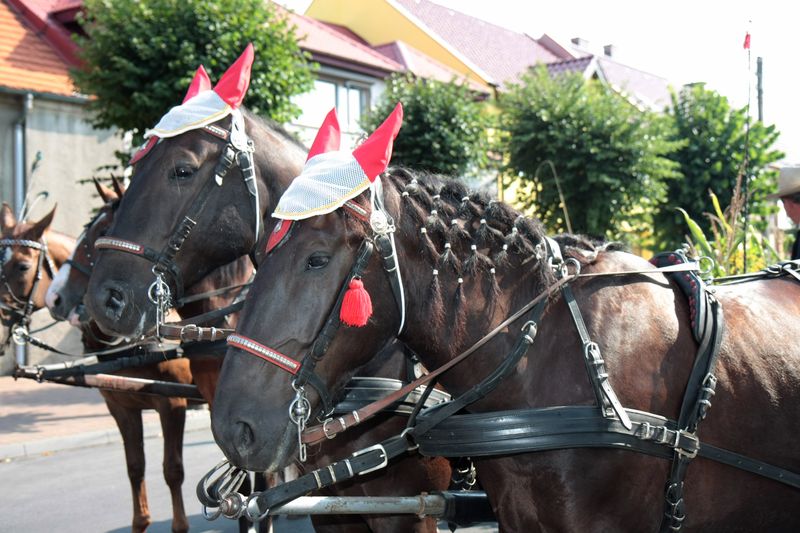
<point>350,99</point>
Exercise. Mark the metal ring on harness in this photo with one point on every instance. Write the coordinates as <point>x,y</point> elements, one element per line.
<point>710,268</point>
<point>252,513</point>
<point>19,335</point>
<point>211,516</point>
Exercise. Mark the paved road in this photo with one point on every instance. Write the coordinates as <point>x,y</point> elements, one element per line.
<point>86,490</point>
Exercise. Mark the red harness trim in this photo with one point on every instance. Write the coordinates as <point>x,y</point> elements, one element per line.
<point>267,354</point>
<point>113,243</point>
<point>277,235</point>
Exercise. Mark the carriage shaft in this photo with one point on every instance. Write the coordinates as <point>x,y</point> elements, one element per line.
<point>424,504</point>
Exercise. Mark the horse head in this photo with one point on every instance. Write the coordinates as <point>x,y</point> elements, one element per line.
<point>297,288</point>
<point>65,295</point>
<point>196,201</point>
<point>27,267</point>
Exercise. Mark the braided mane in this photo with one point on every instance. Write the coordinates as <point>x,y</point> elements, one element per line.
<point>468,238</point>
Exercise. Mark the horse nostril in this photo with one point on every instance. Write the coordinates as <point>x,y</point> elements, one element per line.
<point>57,301</point>
<point>245,439</point>
<point>115,301</point>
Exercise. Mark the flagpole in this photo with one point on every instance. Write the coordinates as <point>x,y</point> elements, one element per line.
<point>746,171</point>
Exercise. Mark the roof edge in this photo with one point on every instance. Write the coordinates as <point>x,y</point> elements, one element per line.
<point>447,46</point>
<point>57,37</point>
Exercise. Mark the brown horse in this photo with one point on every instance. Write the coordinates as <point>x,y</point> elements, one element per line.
<point>475,265</point>
<point>30,252</point>
<point>165,183</point>
<point>126,408</point>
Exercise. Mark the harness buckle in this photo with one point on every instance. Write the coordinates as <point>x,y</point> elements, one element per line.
<point>325,428</point>
<point>680,450</point>
<point>383,463</point>
<point>185,330</point>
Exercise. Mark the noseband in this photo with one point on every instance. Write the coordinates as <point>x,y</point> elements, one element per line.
<point>300,408</point>
<point>21,316</point>
<point>239,148</point>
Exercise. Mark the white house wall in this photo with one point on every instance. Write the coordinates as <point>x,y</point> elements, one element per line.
<point>71,151</point>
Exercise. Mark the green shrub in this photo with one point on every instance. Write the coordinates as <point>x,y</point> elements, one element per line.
<point>140,55</point>
<point>444,127</point>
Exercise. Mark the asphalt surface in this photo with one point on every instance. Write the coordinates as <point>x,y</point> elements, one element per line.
<point>62,466</point>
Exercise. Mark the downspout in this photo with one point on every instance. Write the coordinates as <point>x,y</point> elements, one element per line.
<point>21,351</point>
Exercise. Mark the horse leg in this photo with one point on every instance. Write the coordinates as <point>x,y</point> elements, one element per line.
<point>172,412</point>
<point>129,422</point>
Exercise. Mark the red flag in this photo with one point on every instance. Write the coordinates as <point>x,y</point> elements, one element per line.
<point>747,41</point>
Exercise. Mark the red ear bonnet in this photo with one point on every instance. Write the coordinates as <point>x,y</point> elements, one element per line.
<point>328,137</point>
<point>233,85</point>
<point>373,155</point>
<point>200,83</point>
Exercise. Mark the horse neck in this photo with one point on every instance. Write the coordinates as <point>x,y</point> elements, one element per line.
<point>59,246</point>
<point>235,273</point>
<point>467,311</point>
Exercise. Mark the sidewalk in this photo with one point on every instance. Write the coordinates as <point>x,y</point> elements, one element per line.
<point>40,418</point>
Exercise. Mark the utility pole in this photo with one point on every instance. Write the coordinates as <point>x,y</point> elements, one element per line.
<point>760,87</point>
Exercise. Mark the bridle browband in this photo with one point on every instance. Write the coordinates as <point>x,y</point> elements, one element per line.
<point>21,317</point>
<point>239,148</point>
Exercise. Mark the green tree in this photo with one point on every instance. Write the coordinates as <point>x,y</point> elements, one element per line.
<point>444,127</point>
<point>711,158</point>
<point>610,157</point>
<point>140,55</point>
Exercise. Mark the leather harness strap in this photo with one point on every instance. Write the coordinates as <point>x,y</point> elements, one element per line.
<point>576,426</point>
<point>332,427</point>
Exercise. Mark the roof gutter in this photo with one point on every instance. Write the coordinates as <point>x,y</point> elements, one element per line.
<point>21,350</point>
<point>72,99</point>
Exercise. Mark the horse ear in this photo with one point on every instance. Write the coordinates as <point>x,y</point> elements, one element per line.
<point>37,230</point>
<point>200,83</point>
<point>232,86</point>
<point>7,218</point>
<point>105,193</point>
<point>119,188</point>
<point>373,155</point>
<point>328,137</point>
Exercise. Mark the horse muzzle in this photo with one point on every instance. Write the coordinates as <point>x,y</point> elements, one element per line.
<point>114,309</point>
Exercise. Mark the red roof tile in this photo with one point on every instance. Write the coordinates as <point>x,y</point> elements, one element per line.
<point>501,53</point>
<point>641,88</point>
<point>645,89</point>
<point>570,65</point>
<point>424,66</point>
<point>335,45</point>
<point>38,15</point>
<point>27,61</point>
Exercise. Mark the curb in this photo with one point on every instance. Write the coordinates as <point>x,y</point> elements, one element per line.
<point>196,420</point>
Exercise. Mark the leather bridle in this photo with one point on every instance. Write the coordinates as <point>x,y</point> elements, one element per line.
<point>303,371</point>
<point>239,149</point>
<point>21,316</point>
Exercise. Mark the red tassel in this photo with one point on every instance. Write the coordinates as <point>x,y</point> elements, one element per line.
<point>356,305</point>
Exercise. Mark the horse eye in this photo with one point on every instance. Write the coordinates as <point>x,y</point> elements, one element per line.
<point>317,261</point>
<point>24,267</point>
<point>182,173</point>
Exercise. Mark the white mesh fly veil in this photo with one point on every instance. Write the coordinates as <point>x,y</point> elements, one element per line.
<point>328,180</point>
